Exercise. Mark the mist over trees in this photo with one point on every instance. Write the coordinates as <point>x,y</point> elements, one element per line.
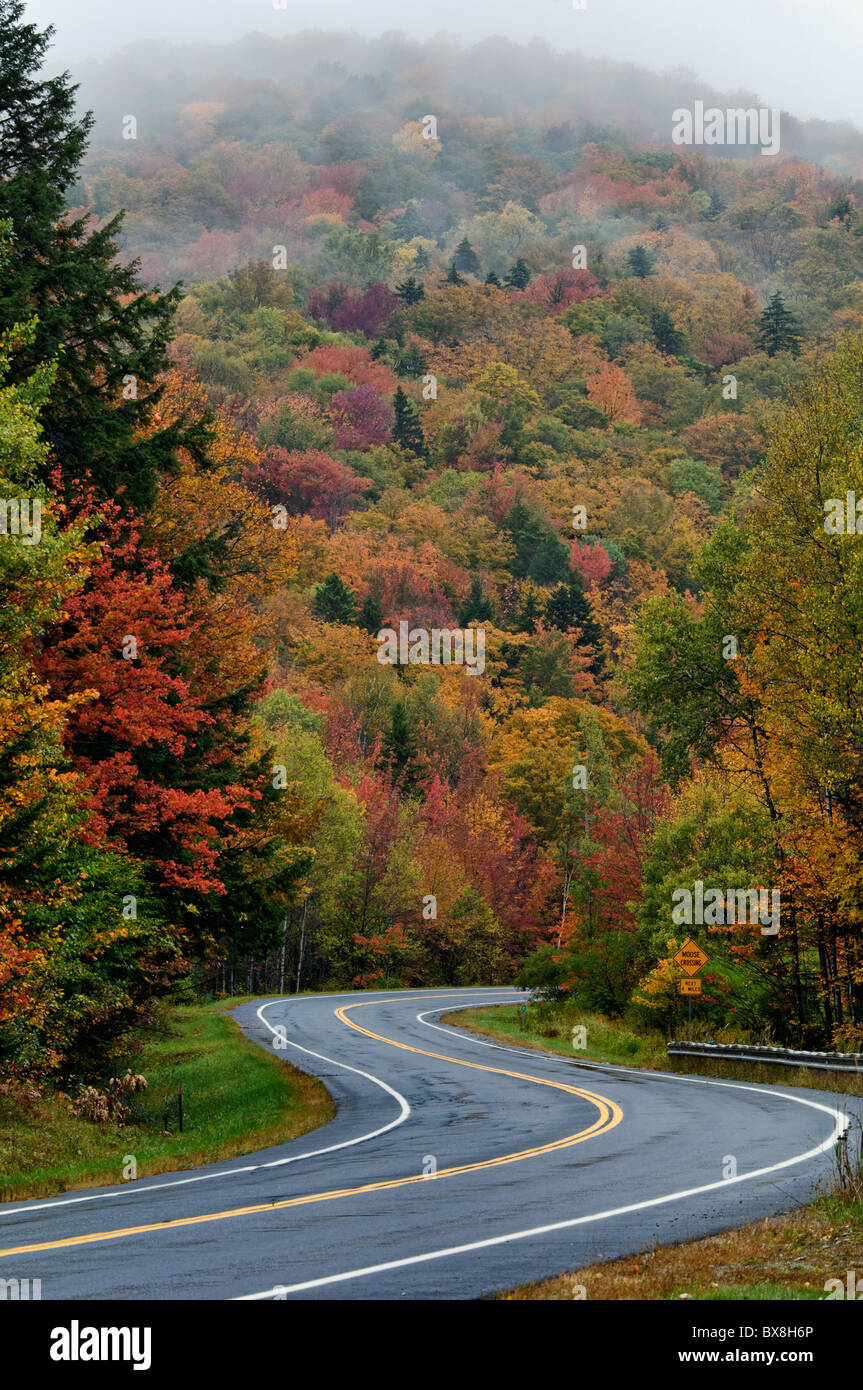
<point>463,343</point>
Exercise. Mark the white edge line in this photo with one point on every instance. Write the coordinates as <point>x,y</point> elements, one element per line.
<point>125,1189</point>
<point>841,1124</point>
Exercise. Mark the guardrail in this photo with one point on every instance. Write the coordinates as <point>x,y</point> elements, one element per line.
<point>781,1056</point>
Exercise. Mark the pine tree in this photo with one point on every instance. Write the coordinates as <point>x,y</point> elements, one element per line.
<point>410,362</point>
<point>528,614</point>
<point>567,607</point>
<point>407,429</point>
<point>410,290</point>
<point>477,608</point>
<point>492,279</point>
<point>665,335</point>
<point>410,224</point>
<point>466,260</point>
<point>399,746</point>
<point>518,276</point>
<point>840,206</point>
<point>335,601</point>
<point>780,330</point>
<point>453,277</point>
<point>110,336</point>
<point>371,615</point>
<point>526,530</point>
<point>640,261</point>
<point>551,560</point>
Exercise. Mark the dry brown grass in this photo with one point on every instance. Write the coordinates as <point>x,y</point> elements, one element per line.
<point>797,1252</point>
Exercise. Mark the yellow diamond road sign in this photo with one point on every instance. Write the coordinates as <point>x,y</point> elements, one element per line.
<point>689,986</point>
<point>690,957</point>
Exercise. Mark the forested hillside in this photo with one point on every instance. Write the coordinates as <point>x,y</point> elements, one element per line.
<point>445,362</point>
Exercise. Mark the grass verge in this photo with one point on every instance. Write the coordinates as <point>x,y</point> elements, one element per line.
<point>784,1257</point>
<point>236,1098</point>
<point>549,1028</point>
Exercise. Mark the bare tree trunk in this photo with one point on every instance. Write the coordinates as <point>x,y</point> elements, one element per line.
<point>568,875</point>
<point>826,982</point>
<point>302,945</point>
<point>282,962</point>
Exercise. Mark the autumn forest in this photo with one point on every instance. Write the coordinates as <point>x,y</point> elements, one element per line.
<point>310,340</point>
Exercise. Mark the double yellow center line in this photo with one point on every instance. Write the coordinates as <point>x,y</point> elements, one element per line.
<point>609,1116</point>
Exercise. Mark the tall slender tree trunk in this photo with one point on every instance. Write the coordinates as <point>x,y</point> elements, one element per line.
<point>302,944</point>
<point>825,977</point>
<point>282,955</point>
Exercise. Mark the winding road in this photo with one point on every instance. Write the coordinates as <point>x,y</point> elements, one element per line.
<point>455,1167</point>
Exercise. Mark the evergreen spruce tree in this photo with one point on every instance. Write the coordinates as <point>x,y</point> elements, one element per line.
<point>410,290</point>
<point>466,260</point>
<point>477,608</point>
<point>410,362</point>
<point>840,206</point>
<point>518,276</point>
<point>780,330</point>
<point>526,530</point>
<point>551,560</point>
<point>371,615</point>
<point>453,277</point>
<point>410,224</point>
<point>492,279</point>
<point>567,607</point>
<point>110,337</point>
<point>399,746</point>
<point>334,601</point>
<point>640,261</point>
<point>407,429</point>
<point>528,614</point>
<point>665,335</point>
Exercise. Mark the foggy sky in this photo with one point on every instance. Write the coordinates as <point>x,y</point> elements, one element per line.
<point>801,55</point>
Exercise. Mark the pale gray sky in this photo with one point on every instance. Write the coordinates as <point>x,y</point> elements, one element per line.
<point>803,55</point>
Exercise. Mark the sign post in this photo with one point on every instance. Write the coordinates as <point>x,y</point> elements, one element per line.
<point>690,958</point>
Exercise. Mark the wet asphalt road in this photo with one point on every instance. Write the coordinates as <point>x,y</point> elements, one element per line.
<point>454,1168</point>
